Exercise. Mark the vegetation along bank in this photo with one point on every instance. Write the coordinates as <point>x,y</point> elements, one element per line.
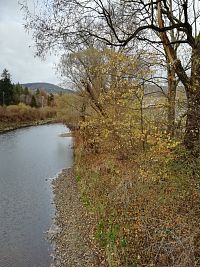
<point>21,107</point>
<point>138,185</point>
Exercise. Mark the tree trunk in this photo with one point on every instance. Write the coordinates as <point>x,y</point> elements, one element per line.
<point>192,132</point>
<point>192,84</point>
<point>83,111</point>
<point>92,94</point>
<point>171,99</point>
<point>192,121</point>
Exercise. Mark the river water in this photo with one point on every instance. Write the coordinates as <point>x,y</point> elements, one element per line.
<point>28,158</point>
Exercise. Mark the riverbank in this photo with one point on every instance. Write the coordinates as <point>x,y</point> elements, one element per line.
<point>10,126</point>
<point>73,240</point>
<point>133,211</point>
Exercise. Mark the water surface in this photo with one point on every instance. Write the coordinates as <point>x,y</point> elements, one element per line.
<point>28,157</point>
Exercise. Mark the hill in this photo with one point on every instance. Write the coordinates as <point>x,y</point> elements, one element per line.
<point>49,87</point>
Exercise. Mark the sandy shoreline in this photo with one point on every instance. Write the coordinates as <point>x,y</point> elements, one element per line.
<point>73,246</point>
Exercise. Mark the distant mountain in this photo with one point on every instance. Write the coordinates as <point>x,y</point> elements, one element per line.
<point>49,87</point>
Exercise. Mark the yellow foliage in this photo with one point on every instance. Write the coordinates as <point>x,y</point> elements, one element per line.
<point>126,163</point>
<point>22,112</point>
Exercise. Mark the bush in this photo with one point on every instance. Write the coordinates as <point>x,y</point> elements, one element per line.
<point>146,206</point>
<point>24,113</point>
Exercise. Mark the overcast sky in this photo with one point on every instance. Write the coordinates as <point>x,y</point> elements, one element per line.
<point>16,55</point>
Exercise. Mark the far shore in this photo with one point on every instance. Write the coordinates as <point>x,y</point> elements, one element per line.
<point>10,126</point>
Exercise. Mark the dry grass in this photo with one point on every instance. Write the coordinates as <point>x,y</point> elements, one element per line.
<point>22,112</point>
<point>147,213</point>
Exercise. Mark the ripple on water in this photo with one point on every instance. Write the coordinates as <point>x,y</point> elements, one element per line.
<point>27,157</point>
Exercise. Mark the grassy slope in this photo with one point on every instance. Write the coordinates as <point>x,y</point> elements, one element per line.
<point>146,208</point>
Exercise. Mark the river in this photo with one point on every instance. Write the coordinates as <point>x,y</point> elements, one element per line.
<point>29,157</point>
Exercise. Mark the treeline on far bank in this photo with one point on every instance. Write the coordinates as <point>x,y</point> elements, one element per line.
<point>18,104</point>
<point>13,94</point>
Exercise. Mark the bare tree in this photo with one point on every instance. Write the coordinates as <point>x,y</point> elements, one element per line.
<point>68,23</point>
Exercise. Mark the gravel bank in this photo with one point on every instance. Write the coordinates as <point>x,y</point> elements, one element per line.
<point>73,246</point>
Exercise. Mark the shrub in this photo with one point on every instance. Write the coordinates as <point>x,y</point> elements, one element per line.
<point>24,113</point>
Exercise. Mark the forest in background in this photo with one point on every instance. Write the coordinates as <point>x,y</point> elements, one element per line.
<point>19,105</point>
<point>137,158</point>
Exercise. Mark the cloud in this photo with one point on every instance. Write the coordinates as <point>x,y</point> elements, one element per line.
<point>17,49</point>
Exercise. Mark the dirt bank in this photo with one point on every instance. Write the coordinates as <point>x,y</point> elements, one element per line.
<point>73,246</point>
